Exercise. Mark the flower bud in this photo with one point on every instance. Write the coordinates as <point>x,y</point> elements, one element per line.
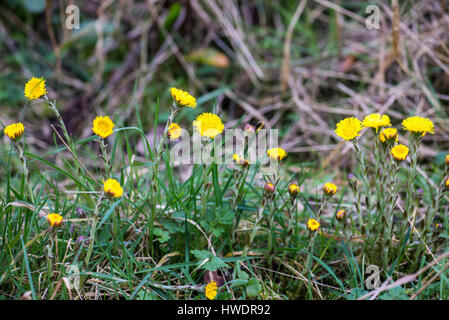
<point>419,194</point>
<point>293,189</point>
<point>80,212</point>
<point>447,183</point>
<point>269,188</point>
<point>446,160</point>
<point>438,227</point>
<point>341,214</point>
<point>249,128</point>
<point>330,189</point>
<point>389,135</point>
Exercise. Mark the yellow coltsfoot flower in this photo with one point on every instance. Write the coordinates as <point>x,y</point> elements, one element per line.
<point>174,131</point>
<point>211,290</point>
<point>276,154</point>
<point>313,225</point>
<point>103,126</point>
<point>349,128</point>
<point>418,125</point>
<point>35,88</point>
<point>54,219</point>
<point>112,188</point>
<point>399,152</point>
<point>376,121</point>
<point>208,125</point>
<point>389,134</point>
<point>330,189</point>
<point>14,131</point>
<point>183,98</point>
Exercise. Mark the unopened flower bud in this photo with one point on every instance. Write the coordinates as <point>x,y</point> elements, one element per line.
<point>341,214</point>
<point>446,160</point>
<point>419,194</point>
<point>249,128</point>
<point>330,189</point>
<point>80,212</point>
<point>389,135</point>
<point>269,188</point>
<point>293,189</point>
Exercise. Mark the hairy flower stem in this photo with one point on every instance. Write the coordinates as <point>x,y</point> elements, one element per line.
<point>431,212</point>
<point>20,148</point>
<point>158,155</point>
<point>292,221</point>
<point>414,151</point>
<point>53,107</point>
<point>104,155</point>
<point>270,239</point>
<point>259,218</point>
<point>93,229</point>
<point>361,158</point>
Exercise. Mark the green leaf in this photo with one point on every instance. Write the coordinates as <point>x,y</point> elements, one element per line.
<point>201,254</point>
<point>242,275</point>
<point>163,236</point>
<point>214,264</point>
<point>253,288</point>
<point>226,217</point>
<point>144,295</point>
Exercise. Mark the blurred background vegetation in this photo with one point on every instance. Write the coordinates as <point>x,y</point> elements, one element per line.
<point>299,66</point>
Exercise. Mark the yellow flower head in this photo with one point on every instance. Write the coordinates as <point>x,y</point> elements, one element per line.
<point>14,131</point>
<point>349,128</point>
<point>211,290</point>
<point>341,214</point>
<point>313,225</point>
<point>399,152</point>
<point>54,219</point>
<point>446,160</point>
<point>208,125</point>
<point>293,189</point>
<point>112,188</point>
<point>330,189</point>
<point>277,154</point>
<point>174,131</point>
<point>418,125</point>
<point>183,98</point>
<point>376,121</point>
<point>103,126</point>
<point>389,134</point>
<point>35,88</point>
<point>447,183</point>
